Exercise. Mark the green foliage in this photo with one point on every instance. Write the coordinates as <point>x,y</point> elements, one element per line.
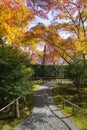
<point>77,73</point>
<point>73,70</point>
<point>15,72</point>
<point>47,71</point>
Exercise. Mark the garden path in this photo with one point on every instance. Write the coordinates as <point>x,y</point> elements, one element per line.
<point>45,115</point>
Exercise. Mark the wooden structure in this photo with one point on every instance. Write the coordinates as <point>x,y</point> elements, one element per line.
<point>64,101</point>
<point>15,103</point>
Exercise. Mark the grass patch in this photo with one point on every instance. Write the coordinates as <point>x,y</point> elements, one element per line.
<point>7,120</point>
<point>69,93</point>
<point>80,118</point>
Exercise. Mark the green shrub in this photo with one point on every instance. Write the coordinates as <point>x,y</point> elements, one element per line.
<point>15,71</point>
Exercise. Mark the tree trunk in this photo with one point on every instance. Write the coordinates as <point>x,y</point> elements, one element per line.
<point>44,60</point>
<point>78,91</point>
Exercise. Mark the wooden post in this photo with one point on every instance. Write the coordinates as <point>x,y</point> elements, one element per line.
<point>63,103</point>
<point>25,100</point>
<point>73,110</point>
<point>16,109</point>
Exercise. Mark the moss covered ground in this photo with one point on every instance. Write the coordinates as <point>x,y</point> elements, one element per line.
<point>68,91</point>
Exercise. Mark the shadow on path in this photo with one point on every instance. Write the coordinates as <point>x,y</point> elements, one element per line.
<point>45,115</point>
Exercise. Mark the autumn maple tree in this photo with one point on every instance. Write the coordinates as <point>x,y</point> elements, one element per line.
<point>69,17</point>
<point>14,63</point>
<point>75,15</point>
<point>14,19</point>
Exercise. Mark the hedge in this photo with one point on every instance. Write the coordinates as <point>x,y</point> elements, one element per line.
<point>48,71</point>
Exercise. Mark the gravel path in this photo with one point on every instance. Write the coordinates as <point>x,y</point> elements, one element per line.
<point>45,115</point>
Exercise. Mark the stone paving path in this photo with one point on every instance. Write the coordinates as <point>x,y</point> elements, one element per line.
<point>45,115</point>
